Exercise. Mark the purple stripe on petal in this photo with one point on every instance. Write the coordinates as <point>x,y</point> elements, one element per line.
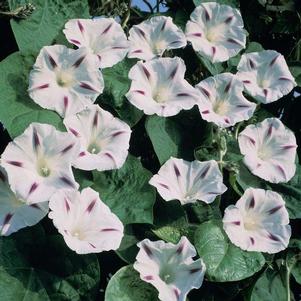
<point>15,163</point>
<point>109,156</point>
<point>35,139</point>
<point>117,133</point>
<point>289,146</point>
<point>164,185</point>
<point>273,237</point>
<point>91,206</point>
<point>173,73</point>
<point>192,271</point>
<point>180,248</point>
<point>78,62</point>
<point>74,132</point>
<point>275,209</point>
<point>282,78</point>
<point>252,203</point>
<point>205,91</point>
<point>33,187</point>
<point>81,154</point>
<point>149,278</point>
<point>107,29</point>
<point>213,50</point>
<point>140,31</point>
<point>205,171</point>
<point>270,131</point>
<point>252,241</point>
<point>41,87</point>
<point>163,26</point>
<point>282,171</point>
<point>137,51</point>
<point>184,95</point>
<point>95,120</point>
<point>139,91</point>
<point>118,47</point>
<point>80,26</point>
<point>246,81</point>
<point>92,245</point>
<point>177,293</point>
<point>229,19</point>
<point>227,120</point>
<point>67,148</point>
<point>52,61</point>
<point>207,16</point>
<point>87,87</point>
<point>252,64</point>
<point>99,57</point>
<point>273,61</point>
<point>147,250</point>
<point>205,112</point>
<point>67,206</point>
<point>36,206</point>
<point>176,169</point>
<point>228,87</point>
<point>265,92</point>
<point>236,223</point>
<point>75,41</point>
<point>67,181</point>
<point>146,72</point>
<point>109,230</point>
<point>242,106</point>
<point>232,41</point>
<point>7,219</point>
<point>66,102</point>
<point>197,34</point>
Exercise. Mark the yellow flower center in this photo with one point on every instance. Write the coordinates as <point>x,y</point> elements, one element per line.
<point>221,107</point>
<point>64,78</point>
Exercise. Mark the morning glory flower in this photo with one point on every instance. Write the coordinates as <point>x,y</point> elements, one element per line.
<point>265,75</point>
<point>65,80</point>
<point>258,222</point>
<point>15,213</point>
<point>103,37</point>
<point>158,87</point>
<point>216,31</point>
<point>222,102</point>
<point>38,162</point>
<point>152,37</point>
<point>189,182</point>
<point>86,223</point>
<point>170,268</point>
<point>104,139</point>
<point>269,150</point>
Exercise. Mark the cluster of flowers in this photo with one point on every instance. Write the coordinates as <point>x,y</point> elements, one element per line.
<point>36,171</point>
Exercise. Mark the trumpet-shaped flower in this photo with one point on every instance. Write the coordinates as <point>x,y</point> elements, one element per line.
<point>65,80</point>
<point>86,223</point>
<point>104,139</point>
<point>189,182</point>
<point>158,87</point>
<point>265,75</point>
<point>258,222</point>
<point>269,150</point>
<point>104,37</point>
<point>216,31</point>
<point>222,101</point>
<point>152,37</point>
<point>38,162</point>
<point>170,268</point>
<point>15,213</point>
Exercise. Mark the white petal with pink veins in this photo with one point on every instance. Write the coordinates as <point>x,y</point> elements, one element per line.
<point>104,139</point>
<point>103,37</point>
<point>152,37</point>
<point>38,162</point>
<point>269,150</point>
<point>15,213</point>
<point>216,31</point>
<point>258,222</point>
<point>189,182</point>
<point>65,80</point>
<point>170,268</point>
<point>222,102</point>
<point>265,75</point>
<point>158,87</point>
<point>86,223</point>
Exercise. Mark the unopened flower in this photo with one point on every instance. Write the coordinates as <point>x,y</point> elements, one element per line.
<point>15,213</point>
<point>216,31</point>
<point>269,150</point>
<point>170,268</point>
<point>86,223</point>
<point>258,222</point>
<point>158,87</point>
<point>152,37</point>
<point>189,182</point>
<point>65,80</point>
<point>103,37</point>
<point>38,162</point>
<point>104,139</point>
<point>222,102</point>
<point>265,75</point>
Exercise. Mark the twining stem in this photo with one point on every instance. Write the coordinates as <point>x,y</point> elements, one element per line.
<point>287,279</point>
<point>127,16</point>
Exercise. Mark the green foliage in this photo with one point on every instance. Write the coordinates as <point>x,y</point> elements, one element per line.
<point>126,285</point>
<point>17,110</point>
<point>223,260</point>
<point>127,192</point>
<point>233,3</point>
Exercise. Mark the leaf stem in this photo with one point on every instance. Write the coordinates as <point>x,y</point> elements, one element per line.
<point>127,16</point>
<point>287,280</point>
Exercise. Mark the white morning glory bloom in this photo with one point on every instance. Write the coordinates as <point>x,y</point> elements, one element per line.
<point>269,150</point>
<point>222,102</point>
<point>65,80</point>
<point>15,213</point>
<point>158,87</point>
<point>170,268</point>
<point>104,139</point>
<point>265,75</point>
<point>103,37</point>
<point>38,162</point>
<point>216,31</point>
<point>152,37</point>
<point>258,222</point>
<point>86,223</point>
<point>189,182</point>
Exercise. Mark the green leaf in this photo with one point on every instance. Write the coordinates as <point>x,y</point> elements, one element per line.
<point>224,261</point>
<point>48,19</point>
<point>234,3</point>
<point>127,192</point>
<point>17,110</point>
<point>35,267</point>
<point>117,84</point>
<point>126,285</point>
<point>295,68</point>
<point>293,258</point>
<point>213,68</point>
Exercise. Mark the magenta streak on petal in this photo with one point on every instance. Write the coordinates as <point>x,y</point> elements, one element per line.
<point>81,154</point>
<point>95,120</point>
<point>52,61</point>
<point>275,209</point>
<point>35,140</point>
<point>107,29</point>
<point>80,26</point>
<point>117,133</point>
<point>196,34</point>
<point>66,101</point>
<point>246,81</point>
<point>163,26</point>
<point>139,91</point>
<point>7,219</point>
<point>91,206</point>
<point>180,248</point>
<point>273,237</point>
<point>232,41</point>
<point>75,41</point>
<point>92,245</point>
<point>228,20</point>
<point>44,86</point>
<point>207,16</point>
<point>249,138</point>
<point>176,169</point>
<point>78,62</point>
<point>205,112</point>
<point>282,78</point>
<point>205,91</point>
<point>164,185</point>
<point>109,230</point>
<point>176,293</point>
<point>227,120</point>
<point>213,49</point>
<point>242,106</point>
<point>67,148</point>
<point>270,130</point>
<point>252,241</point>
<point>274,60</point>
<point>66,181</point>
<point>205,172</point>
<point>252,64</point>
<point>192,271</point>
<point>141,32</point>
<point>87,86</point>
<point>252,203</point>
<point>282,171</point>
<point>110,156</point>
<point>212,192</point>
<point>67,206</point>
<point>15,163</point>
<point>173,73</point>
<point>33,187</point>
<point>174,42</point>
<point>289,146</point>
<point>236,223</point>
<point>137,51</point>
<point>228,87</point>
<point>149,278</point>
<point>118,47</point>
<point>147,250</point>
<point>99,57</point>
<point>146,72</point>
<point>184,95</point>
<point>36,206</point>
<point>265,92</point>
<point>74,132</point>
